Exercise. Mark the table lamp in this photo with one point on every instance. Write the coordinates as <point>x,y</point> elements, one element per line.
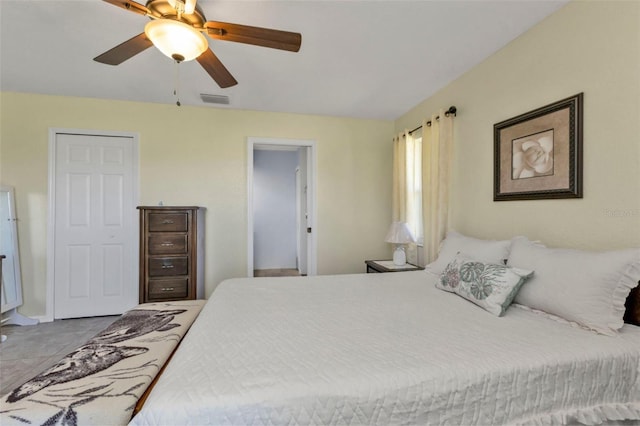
<point>399,234</point>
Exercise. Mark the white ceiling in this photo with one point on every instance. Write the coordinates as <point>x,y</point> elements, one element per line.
<point>368,59</point>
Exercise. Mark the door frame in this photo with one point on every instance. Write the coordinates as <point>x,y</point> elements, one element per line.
<point>252,143</point>
<point>298,219</point>
<point>51,217</point>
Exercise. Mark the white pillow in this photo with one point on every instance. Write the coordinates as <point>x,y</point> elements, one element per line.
<point>489,251</point>
<point>589,288</point>
<point>490,286</point>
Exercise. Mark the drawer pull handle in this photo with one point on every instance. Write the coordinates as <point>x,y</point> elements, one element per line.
<point>167,222</point>
<point>166,244</point>
<point>169,266</point>
<point>167,289</point>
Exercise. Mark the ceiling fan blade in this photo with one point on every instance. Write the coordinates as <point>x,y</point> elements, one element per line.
<point>216,69</point>
<point>130,5</point>
<point>276,39</point>
<point>125,50</point>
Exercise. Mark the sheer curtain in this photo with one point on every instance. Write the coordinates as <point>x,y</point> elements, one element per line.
<point>407,182</point>
<point>421,181</point>
<point>399,194</point>
<point>407,187</point>
<point>437,153</point>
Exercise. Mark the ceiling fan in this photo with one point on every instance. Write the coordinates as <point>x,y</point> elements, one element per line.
<point>176,29</point>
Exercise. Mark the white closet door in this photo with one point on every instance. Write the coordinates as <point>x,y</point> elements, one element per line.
<point>94,226</point>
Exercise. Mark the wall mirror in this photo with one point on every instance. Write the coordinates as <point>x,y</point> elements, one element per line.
<point>11,281</point>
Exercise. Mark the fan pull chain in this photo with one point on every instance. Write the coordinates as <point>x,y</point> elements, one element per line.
<point>176,87</point>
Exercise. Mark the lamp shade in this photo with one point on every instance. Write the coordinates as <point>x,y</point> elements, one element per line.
<point>399,233</point>
<point>176,39</point>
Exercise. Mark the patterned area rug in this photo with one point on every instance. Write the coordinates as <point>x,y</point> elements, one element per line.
<point>100,382</point>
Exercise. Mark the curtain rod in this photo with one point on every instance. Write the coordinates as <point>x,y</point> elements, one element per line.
<point>452,110</point>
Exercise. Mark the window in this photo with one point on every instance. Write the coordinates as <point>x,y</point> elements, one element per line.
<point>414,185</point>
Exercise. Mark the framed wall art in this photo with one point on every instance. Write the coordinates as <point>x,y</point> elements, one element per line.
<point>538,155</point>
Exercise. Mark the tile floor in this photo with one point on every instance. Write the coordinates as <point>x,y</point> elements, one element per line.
<point>30,349</point>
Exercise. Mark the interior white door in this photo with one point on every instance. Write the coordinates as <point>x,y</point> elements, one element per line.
<point>301,220</point>
<point>94,239</point>
<point>303,209</point>
<point>308,197</point>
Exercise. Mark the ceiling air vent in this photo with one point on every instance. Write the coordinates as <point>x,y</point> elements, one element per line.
<point>214,99</point>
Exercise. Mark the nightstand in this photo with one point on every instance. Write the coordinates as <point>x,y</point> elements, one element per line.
<point>376,266</point>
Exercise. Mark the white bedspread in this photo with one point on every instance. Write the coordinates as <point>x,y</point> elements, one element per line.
<point>387,349</point>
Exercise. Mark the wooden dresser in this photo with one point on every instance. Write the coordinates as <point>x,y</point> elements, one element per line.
<point>171,253</point>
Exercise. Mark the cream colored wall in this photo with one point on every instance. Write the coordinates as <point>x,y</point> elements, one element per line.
<point>587,46</point>
<point>197,156</point>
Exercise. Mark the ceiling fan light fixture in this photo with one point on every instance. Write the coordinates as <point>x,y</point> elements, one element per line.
<point>176,39</point>
<point>183,6</point>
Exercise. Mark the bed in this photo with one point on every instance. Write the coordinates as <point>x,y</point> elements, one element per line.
<point>542,342</point>
<point>389,349</point>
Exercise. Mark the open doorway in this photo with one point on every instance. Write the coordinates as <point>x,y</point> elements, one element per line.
<point>281,207</point>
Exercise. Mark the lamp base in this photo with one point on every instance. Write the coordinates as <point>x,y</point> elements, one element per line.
<point>399,256</point>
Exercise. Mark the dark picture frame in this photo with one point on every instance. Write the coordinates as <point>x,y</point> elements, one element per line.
<point>538,155</point>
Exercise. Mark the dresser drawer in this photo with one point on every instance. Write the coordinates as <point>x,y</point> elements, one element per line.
<point>175,288</point>
<point>168,244</point>
<point>167,266</point>
<point>168,222</point>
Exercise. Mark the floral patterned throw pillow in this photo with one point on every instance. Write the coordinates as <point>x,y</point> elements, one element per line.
<point>488,285</point>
